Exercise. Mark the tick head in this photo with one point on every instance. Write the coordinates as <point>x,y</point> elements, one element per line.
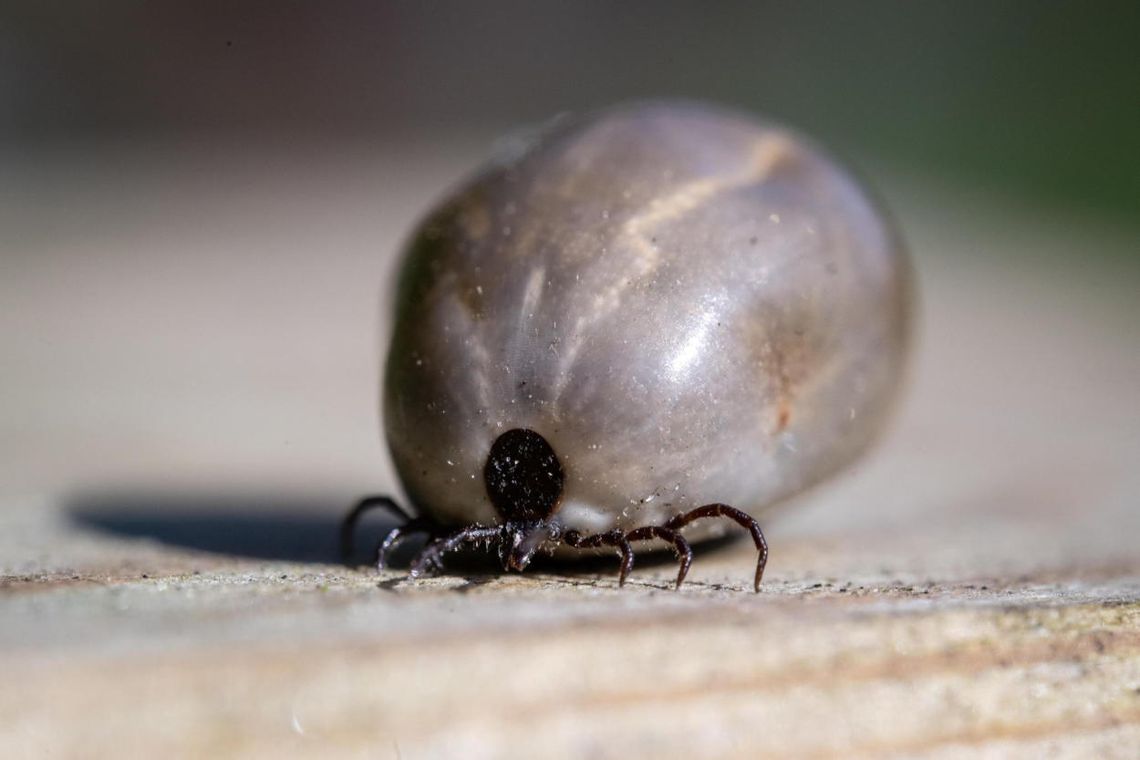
<point>523,476</point>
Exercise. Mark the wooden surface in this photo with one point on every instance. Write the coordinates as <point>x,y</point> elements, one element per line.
<point>189,403</point>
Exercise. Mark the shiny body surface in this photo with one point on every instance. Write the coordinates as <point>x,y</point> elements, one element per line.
<point>691,306</point>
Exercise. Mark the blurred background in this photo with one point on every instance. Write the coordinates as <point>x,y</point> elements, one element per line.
<point>200,204</point>
<point>1035,98</point>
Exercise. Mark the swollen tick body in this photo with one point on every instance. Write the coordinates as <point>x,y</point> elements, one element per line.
<point>630,322</point>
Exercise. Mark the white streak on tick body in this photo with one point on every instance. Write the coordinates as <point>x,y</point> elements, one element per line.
<point>637,238</point>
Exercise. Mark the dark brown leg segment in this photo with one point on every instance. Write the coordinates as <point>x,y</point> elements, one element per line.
<point>614,538</point>
<point>680,545</point>
<point>744,519</point>
<point>431,557</point>
<point>348,524</point>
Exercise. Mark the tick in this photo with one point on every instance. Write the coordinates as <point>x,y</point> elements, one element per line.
<point>636,319</point>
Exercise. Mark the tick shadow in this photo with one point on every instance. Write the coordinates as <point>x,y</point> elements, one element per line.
<point>292,528</point>
<point>278,527</point>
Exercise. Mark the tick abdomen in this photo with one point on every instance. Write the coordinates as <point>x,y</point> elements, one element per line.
<point>688,305</point>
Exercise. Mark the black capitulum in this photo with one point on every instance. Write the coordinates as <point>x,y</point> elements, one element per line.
<point>523,476</point>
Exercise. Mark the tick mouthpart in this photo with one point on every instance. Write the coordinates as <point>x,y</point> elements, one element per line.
<point>525,542</point>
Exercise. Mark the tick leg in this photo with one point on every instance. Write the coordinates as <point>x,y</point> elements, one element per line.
<point>680,545</point>
<point>742,518</point>
<point>614,538</point>
<point>348,524</point>
<point>431,557</point>
<point>398,534</point>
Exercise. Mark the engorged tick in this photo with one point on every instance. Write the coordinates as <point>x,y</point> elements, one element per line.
<point>688,309</point>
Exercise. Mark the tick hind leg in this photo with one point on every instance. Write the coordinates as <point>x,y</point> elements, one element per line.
<point>409,526</point>
<point>743,519</point>
<point>399,533</point>
<point>350,521</point>
<point>614,538</point>
<point>670,532</point>
<point>681,547</point>
<point>623,543</point>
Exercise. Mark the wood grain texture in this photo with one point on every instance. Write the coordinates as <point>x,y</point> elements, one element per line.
<point>186,440</point>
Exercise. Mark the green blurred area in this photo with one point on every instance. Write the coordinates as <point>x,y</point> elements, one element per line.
<point>1039,99</point>
<point>1034,99</point>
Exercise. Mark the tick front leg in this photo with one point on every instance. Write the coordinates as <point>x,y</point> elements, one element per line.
<point>742,518</point>
<point>348,524</point>
<point>431,557</point>
<point>614,538</point>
